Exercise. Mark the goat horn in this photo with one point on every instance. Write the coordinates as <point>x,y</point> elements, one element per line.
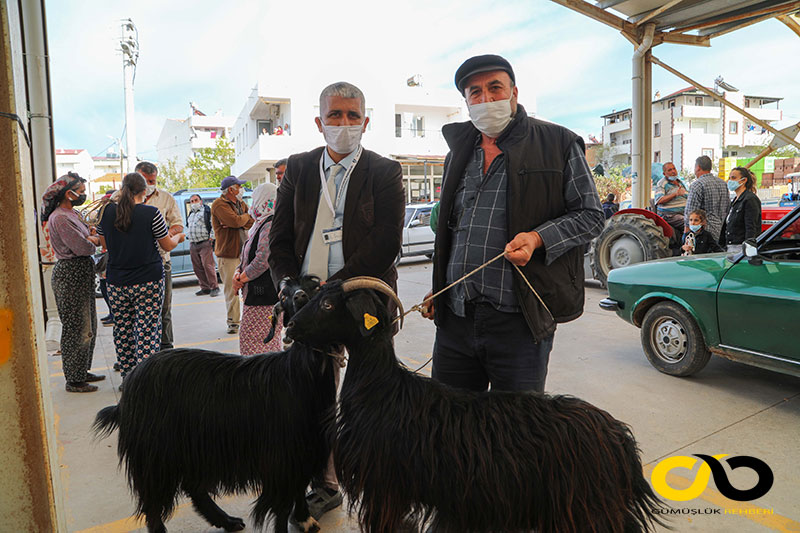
<point>367,282</point>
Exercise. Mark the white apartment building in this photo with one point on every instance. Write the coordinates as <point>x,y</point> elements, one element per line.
<point>99,172</point>
<point>405,124</point>
<point>180,139</point>
<point>688,124</point>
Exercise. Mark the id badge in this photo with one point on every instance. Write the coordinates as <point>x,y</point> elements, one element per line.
<point>332,235</point>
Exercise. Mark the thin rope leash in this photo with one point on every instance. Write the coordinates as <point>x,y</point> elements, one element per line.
<point>418,307</point>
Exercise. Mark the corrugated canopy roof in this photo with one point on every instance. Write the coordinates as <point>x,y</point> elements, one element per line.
<point>682,21</point>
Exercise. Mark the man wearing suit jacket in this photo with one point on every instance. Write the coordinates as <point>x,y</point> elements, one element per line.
<point>351,227</point>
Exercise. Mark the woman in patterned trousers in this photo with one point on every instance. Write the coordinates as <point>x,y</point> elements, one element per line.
<point>73,279</point>
<point>129,229</point>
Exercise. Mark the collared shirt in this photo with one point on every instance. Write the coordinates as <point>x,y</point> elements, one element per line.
<point>168,207</point>
<point>197,230</point>
<point>677,205</point>
<point>575,228</point>
<point>709,193</point>
<point>480,232</point>
<point>335,250</point>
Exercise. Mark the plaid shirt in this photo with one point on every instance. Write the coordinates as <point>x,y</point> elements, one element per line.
<point>710,193</point>
<point>198,232</point>
<point>479,227</point>
<point>479,234</point>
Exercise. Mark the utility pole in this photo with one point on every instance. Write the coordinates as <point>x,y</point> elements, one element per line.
<point>121,159</point>
<point>129,44</point>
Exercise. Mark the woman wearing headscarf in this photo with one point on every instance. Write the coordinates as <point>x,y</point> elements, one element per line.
<point>130,229</point>
<point>73,279</point>
<point>253,277</point>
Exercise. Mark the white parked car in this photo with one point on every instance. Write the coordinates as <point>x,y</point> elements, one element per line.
<point>418,237</point>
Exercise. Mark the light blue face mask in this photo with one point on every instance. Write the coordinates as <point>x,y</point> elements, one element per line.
<point>695,227</point>
<point>733,185</point>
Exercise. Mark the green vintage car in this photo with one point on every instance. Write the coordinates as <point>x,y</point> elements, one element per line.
<point>743,306</point>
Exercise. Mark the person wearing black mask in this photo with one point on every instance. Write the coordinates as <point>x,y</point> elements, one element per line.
<point>74,243</point>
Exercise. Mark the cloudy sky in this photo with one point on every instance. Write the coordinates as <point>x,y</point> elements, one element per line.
<point>570,69</point>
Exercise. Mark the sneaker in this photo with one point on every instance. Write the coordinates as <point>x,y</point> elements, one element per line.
<point>80,386</point>
<point>321,500</point>
<point>117,367</point>
<point>107,318</point>
<point>214,292</point>
<point>202,292</point>
<point>94,377</point>
<point>233,329</point>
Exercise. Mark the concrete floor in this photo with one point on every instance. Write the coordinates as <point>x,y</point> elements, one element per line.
<point>727,408</point>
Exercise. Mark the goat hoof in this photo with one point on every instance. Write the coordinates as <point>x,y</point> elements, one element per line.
<point>234,524</point>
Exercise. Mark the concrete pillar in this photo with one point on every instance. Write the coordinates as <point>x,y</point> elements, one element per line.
<point>29,487</point>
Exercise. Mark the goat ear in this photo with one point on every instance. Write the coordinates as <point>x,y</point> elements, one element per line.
<point>363,308</point>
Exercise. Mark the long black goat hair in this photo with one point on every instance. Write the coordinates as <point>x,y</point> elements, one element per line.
<point>410,448</point>
<point>202,423</point>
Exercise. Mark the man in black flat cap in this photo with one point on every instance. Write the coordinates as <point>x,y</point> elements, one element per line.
<point>519,186</point>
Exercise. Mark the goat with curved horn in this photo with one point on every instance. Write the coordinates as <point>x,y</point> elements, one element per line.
<point>368,282</point>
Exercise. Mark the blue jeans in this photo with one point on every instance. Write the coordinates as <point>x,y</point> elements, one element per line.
<point>489,347</point>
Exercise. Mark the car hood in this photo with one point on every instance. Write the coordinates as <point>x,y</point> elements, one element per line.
<point>694,271</point>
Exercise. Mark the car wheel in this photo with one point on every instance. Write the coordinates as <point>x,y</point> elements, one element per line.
<point>626,239</point>
<point>97,292</point>
<point>672,340</point>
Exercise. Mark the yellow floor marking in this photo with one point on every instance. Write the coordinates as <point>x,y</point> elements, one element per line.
<point>198,303</point>
<point>233,338</point>
<point>774,522</point>
<point>131,524</point>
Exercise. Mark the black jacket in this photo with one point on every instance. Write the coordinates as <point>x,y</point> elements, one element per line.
<point>744,219</point>
<point>535,153</point>
<point>704,243</point>
<point>372,229</point>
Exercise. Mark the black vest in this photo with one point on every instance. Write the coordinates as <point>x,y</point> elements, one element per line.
<point>536,154</point>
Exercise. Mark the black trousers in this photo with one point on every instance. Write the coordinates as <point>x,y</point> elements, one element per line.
<point>489,347</point>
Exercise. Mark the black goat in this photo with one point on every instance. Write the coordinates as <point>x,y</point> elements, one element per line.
<point>408,447</point>
<point>293,295</point>
<point>205,423</point>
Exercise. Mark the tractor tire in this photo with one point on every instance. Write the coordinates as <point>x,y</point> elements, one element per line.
<point>626,239</point>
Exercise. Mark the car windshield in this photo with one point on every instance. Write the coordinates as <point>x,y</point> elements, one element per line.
<point>409,213</point>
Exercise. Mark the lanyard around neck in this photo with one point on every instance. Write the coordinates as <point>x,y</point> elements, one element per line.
<point>342,185</point>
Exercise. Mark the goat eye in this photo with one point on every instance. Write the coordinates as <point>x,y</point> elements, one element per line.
<point>327,306</point>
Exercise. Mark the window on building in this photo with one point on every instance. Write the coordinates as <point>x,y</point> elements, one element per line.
<point>709,152</point>
<point>698,100</point>
<point>671,103</point>
<point>657,129</point>
<point>657,157</point>
<point>398,125</point>
<point>418,126</point>
<point>733,127</point>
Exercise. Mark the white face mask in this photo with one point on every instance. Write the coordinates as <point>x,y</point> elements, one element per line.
<point>342,139</point>
<point>149,189</point>
<point>197,206</point>
<point>491,118</point>
<point>240,194</point>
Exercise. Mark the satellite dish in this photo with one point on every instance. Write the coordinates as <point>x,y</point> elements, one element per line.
<point>719,82</point>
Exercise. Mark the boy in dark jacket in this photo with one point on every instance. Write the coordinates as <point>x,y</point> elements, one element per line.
<point>698,240</point>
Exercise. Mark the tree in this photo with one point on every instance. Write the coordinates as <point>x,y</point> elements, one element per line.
<point>171,178</point>
<point>210,166</point>
<point>613,182</point>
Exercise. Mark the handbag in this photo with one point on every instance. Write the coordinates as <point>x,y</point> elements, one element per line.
<point>261,290</point>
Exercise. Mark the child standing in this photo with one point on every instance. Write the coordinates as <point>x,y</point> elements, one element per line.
<point>699,241</point>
